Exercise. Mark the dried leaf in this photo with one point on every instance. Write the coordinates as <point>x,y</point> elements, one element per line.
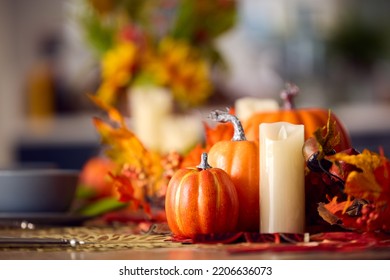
<point>327,214</point>
<point>327,137</point>
<point>361,184</point>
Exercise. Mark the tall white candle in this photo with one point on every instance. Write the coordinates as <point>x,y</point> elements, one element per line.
<point>149,107</point>
<point>282,185</point>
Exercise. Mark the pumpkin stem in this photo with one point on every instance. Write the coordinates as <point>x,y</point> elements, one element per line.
<point>288,96</point>
<point>203,162</point>
<point>224,117</point>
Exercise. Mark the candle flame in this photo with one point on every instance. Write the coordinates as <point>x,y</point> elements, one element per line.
<point>282,133</point>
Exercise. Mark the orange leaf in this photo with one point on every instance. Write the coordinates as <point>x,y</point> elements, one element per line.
<point>135,165</point>
<point>333,213</point>
<point>113,114</point>
<point>222,131</point>
<point>362,183</point>
<point>193,157</point>
<point>382,175</point>
<point>126,190</point>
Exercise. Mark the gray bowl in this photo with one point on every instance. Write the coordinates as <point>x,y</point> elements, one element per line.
<point>37,190</point>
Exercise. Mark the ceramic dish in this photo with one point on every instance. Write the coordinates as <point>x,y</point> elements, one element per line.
<point>37,190</point>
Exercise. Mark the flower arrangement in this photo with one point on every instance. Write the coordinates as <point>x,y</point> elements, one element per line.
<point>168,43</point>
<point>158,44</point>
<point>141,45</point>
<point>346,189</point>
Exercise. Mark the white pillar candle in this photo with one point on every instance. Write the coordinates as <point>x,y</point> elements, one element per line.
<point>180,133</point>
<point>282,184</point>
<point>149,107</point>
<point>247,106</point>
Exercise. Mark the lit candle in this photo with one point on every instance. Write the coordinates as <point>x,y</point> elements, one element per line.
<point>282,186</point>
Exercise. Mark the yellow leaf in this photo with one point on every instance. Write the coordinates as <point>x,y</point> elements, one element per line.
<point>361,183</point>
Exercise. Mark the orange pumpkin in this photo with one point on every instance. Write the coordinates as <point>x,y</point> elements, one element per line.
<point>240,159</point>
<point>94,176</point>
<point>312,118</point>
<point>201,200</point>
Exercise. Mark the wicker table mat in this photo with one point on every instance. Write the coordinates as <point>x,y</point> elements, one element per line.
<point>109,238</point>
<point>94,238</point>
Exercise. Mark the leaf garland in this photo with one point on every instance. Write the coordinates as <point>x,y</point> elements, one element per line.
<point>368,188</point>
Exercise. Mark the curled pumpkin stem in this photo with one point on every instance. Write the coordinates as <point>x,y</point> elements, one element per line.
<point>224,117</point>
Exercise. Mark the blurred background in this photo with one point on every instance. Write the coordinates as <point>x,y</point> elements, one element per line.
<point>336,51</point>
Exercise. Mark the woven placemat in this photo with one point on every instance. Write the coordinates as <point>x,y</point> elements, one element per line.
<point>94,238</point>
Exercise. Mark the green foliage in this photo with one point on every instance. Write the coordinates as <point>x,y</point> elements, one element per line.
<point>198,22</point>
<point>101,206</point>
<point>202,21</point>
<point>98,34</point>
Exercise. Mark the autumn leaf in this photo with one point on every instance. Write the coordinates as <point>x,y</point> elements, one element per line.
<point>113,114</point>
<point>329,212</point>
<point>127,190</point>
<point>193,157</point>
<point>361,183</point>
<point>368,187</point>
<point>220,132</point>
<point>382,175</point>
<point>340,213</point>
<point>327,138</point>
<point>139,173</point>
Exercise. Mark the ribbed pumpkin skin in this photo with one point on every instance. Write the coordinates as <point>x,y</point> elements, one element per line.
<point>312,118</point>
<point>201,201</point>
<point>240,159</point>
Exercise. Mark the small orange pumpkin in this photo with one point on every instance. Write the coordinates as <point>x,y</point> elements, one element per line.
<point>312,118</point>
<point>240,159</point>
<point>94,177</point>
<point>201,200</point>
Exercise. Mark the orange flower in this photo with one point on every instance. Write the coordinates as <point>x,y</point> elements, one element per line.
<point>182,69</point>
<point>118,67</point>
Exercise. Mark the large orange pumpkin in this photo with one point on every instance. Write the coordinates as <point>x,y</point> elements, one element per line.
<point>240,159</point>
<point>201,200</point>
<point>312,118</point>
